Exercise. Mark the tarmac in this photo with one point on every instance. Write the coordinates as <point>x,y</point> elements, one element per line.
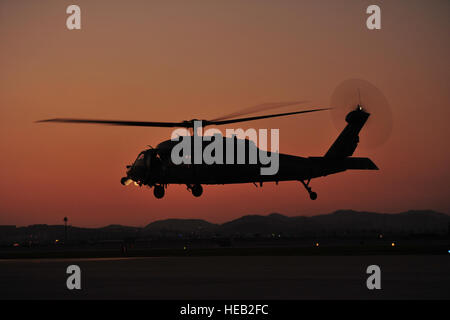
<point>229,277</point>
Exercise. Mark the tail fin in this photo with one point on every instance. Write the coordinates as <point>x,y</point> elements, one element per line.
<point>346,143</point>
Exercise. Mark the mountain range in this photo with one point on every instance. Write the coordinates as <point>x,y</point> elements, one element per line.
<point>340,223</point>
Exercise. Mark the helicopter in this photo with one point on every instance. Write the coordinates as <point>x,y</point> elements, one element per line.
<point>155,168</point>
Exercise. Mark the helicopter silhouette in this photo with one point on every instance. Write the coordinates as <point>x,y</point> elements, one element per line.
<point>154,167</point>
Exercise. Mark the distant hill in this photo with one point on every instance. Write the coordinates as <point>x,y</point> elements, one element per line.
<point>425,221</point>
<point>180,226</point>
<point>342,223</point>
<point>257,224</point>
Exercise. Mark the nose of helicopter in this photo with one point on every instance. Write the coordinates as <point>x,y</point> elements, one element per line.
<point>134,173</point>
<point>129,178</point>
<point>125,181</point>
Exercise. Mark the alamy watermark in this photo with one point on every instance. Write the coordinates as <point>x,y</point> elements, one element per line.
<point>374,280</point>
<point>74,280</point>
<point>73,21</point>
<point>192,150</point>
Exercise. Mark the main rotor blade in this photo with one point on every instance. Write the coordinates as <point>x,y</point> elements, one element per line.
<point>258,108</point>
<point>183,124</point>
<point>260,117</point>
<point>121,123</point>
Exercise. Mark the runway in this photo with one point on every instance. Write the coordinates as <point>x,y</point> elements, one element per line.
<point>229,277</point>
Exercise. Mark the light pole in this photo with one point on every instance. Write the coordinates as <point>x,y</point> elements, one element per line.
<point>65,230</point>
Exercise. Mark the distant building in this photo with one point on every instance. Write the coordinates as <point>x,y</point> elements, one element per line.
<point>7,228</point>
<point>7,232</point>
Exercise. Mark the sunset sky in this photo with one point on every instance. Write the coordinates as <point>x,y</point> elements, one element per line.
<point>178,60</point>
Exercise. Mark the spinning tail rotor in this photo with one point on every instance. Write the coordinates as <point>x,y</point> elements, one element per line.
<point>357,94</point>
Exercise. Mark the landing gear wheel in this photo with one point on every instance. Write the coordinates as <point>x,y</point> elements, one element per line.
<point>158,191</point>
<point>197,190</point>
<point>312,194</point>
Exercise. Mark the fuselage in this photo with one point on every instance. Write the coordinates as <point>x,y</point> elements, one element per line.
<point>155,166</point>
<point>223,160</point>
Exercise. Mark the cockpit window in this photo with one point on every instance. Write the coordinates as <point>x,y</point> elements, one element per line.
<point>140,160</point>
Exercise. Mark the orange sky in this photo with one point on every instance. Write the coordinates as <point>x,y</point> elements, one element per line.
<point>177,60</point>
